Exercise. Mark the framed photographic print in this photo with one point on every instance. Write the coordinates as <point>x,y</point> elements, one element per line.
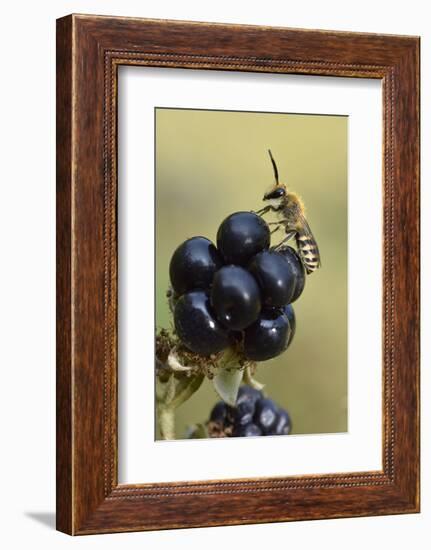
<point>237,274</point>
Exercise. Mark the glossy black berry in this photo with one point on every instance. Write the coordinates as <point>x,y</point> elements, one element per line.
<point>235,297</point>
<point>275,276</point>
<point>297,268</point>
<point>193,265</point>
<point>197,326</point>
<point>266,415</point>
<point>290,314</point>
<point>268,336</point>
<point>241,236</point>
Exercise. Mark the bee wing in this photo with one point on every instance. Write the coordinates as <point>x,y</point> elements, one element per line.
<point>305,230</point>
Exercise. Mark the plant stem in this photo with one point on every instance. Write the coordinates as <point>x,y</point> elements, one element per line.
<point>166,418</point>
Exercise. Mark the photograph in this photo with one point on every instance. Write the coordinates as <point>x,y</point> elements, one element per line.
<point>237,295</point>
<point>251,240</point>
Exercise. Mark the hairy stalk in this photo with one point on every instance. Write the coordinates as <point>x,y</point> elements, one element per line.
<point>166,420</point>
<point>170,395</point>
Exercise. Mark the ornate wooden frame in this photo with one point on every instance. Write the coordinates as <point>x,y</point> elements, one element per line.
<point>89,51</point>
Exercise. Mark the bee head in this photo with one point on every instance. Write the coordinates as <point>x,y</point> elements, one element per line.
<point>277,192</point>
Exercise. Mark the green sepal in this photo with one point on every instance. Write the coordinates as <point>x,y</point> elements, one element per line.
<point>186,387</point>
<point>176,390</point>
<point>226,383</point>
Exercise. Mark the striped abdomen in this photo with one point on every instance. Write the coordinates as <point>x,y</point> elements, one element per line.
<point>309,251</point>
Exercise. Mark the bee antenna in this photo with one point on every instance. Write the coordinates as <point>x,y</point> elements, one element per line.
<point>274,166</point>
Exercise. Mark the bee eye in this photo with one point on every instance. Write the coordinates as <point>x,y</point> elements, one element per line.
<point>276,194</point>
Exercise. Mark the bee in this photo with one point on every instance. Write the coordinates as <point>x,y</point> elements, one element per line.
<point>291,213</point>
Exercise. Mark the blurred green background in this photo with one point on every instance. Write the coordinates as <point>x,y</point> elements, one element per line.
<point>210,164</point>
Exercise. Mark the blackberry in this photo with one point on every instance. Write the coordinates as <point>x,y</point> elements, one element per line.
<point>253,415</point>
<point>275,276</point>
<point>283,424</point>
<point>242,235</point>
<point>268,337</point>
<point>197,326</point>
<point>290,314</point>
<point>266,415</point>
<point>297,268</point>
<point>236,294</point>
<point>193,265</point>
<point>235,297</point>
<point>249,430</point>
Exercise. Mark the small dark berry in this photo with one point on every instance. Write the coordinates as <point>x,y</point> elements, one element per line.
<point>283,424</point>
<point>290,314</point>
<point>297,268</point>
<point>249,430</point>
<point>253,415</point>
<point>197,326</point>
<point>249,394</point>
<point>241,236</point>
<point>193,265</point>
<point>218,414</point>
<point>266,415</point>
<point>235,297</point>
<point>243,413</point>
<point>275,277</point>
<point>268,336</point>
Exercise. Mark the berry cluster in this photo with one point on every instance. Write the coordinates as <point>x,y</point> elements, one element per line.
<point>253,415</point>
<point>240,291</point>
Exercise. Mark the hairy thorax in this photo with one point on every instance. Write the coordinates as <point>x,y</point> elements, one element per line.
<point>292,209</point>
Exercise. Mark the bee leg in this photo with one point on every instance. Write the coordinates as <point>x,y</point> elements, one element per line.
<point>289,235</point>
<point>280,223</point>
<point>263,210</point>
